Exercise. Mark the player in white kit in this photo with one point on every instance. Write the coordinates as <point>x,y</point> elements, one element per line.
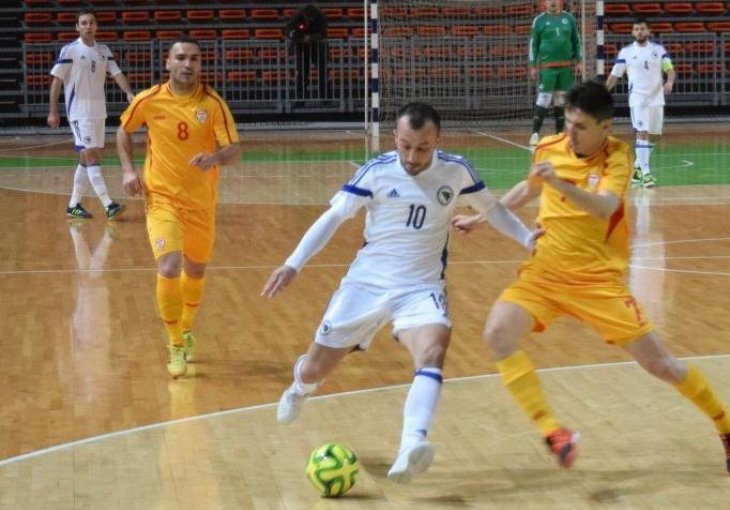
<point>410,196</point>
<point>645,62</point>
<point>82,68</point>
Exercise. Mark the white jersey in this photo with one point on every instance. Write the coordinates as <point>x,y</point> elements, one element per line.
<point>83,70</point>
<point>408,218</point>
<point>644,66</point>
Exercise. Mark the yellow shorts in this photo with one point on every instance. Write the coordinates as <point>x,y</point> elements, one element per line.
<point>171,228</point>
<point>609,307</point>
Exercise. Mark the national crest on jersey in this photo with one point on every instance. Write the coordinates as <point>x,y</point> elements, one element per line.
<point>408,217</point>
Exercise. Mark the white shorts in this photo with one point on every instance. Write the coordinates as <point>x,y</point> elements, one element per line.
<point>648,118</point>
<point>355,313</point>
<point>88,133</point>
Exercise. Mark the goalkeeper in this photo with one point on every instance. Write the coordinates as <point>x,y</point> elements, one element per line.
<point>554,50</point>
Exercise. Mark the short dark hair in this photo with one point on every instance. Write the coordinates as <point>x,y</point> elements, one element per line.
<point>641,21</point>
<point>418,114</point>
<point>84,12</point>
<point>184,38</point>
<point>592,98</point>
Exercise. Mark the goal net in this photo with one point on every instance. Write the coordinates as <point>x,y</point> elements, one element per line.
<point>468,58</point>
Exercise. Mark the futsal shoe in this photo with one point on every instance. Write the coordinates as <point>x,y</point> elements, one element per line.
<point>78,213</point>
<point>411,461</point>
<point>563,444</point>
<point>177,367</point>
<point>290,404</point>
<point>648,181</point>
<point>114,210</point>
<point>636,176</point>
<point>726,443</point>
<point>190,345</point>
<point>534,139</point>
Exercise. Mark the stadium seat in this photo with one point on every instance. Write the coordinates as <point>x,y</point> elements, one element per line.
<point>239,54</point>
<point>139,80</point>
<point>107,36</point>
<point>437,52</point>
<point>168,35</point>
<point>661,28</point>
<point>135,16</point>
<point>688,26</point>
<point>649,9</point>
<point>38,18</point>
<point>726,47</point>
<point>332,13</point>
<point>106,16</point>
<point>610,50</point>
<point>398,32</point>
<point>67,36</point>
<point>620,28</point>
<point>358,32</point>
<point>497,30</point>
<point>337,75</point>
<point>200,16</point>
<point>38,37</point>
<point>204,34</point>
<point>471,51</point>
<point>683,69</point>
<point>520,9</point>
<point>273,76</point>
<point>231,15</point>
<point>456,12</point>
<point>271,54</point>
<point>425,12</point>
<point>66,18</point>
<point>137,35</point>
<point>718,26</point>
<point>674,48</point>
<point>711,8</point>
<point>38,80</point>
<point>337,33</point>
<point>137,56</point>
<point>618,9</point>
<point>431,31</point>
<point>506,51</point>
<point>40,58</point>
<point>512,72</point>
<point>394,12</point>
<point>445,72</point>
<point>522,29</point>
<point>356,13</point>
<point>235,34</point>
<point>464,30</point>
<point>711,69</point>
<point>681,8</point>
<point>264,14</point>
<point>268,33</point>
<point>700,47</point>
<point>242,76</point>
<point>487,12</point>
<point>168,16</point>
<point>481,72</point>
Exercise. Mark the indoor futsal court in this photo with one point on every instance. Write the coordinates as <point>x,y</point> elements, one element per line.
<point>90,419</point>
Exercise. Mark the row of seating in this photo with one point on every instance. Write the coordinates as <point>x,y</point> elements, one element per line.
<point>669,8</point>
<point>675,48</point>
<point>678,26</point>
<point>193,15</point>
<point>202,34</point>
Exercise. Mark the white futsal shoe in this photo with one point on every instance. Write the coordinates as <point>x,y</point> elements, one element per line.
<point>411,461</point>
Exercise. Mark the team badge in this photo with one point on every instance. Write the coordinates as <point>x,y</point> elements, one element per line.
<point>202,116</point>
<point>160,243</point>
<point>444,195</point>
<point>593,180</point>
<point>565,21</point>
<point>325,328</point>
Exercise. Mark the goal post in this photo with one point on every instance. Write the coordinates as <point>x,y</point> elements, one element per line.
<point>468,58</point>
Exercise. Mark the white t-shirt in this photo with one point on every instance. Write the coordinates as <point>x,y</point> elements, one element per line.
<point>643,65</point>
<point>408,218</point>
<point>83,70</point>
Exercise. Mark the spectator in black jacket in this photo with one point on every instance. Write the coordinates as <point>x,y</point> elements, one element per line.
<point>305,33</point>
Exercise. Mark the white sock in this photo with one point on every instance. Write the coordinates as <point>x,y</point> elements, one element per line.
<point>642,156</point>
<point>80,178</point>
<point>420,406</point>
<point>302,387</point>
<point>99,184</point>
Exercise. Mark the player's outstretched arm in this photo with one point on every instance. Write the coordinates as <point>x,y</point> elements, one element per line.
<point>521,194</point>
<point>280,278</point>
<point>130,178</point>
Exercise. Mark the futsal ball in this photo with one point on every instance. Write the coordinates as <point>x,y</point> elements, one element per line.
<point>332,469</point>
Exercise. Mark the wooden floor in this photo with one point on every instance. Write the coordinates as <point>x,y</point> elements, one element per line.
<point>84,360</point>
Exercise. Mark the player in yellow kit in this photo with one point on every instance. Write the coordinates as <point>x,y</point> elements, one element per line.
<point>190,132</point>
<point>578,267</point>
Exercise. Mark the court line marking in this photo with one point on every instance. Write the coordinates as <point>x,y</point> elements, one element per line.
<point>63,142</point>
<point>503,140</point>
<point>216,414</point>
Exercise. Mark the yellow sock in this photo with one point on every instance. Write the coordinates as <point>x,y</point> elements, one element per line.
<point>169,299</point>
<point>192,295</point>
<point>697,390</point>
<point>520,378</point>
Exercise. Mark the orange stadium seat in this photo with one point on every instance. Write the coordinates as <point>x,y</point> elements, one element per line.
<point>168,35</point>
<point>718,26</point>
<point>135,16</point>
<point>337,75</point>
<point>620,28</point>
<point>709,8</point>
<point>268,33</point>
<point>38,37</point>
<point>688,26</point>
<point>40,58</point>
<point>230,15</point>
<point>241,76</point>
<point>464,30</point>
<point>474,51</point>
<point>337,33</point>
<point>358,32</point>
<point>271,54</point>
<point>139,79</point>
<point>437,52</point>
<point>445,72</point>
<point>398,31</point>
<point>138,56</point>
<point>512,72</point>
<point>674,48</point>
<point>235,34</point>
<point>456,12</point>
<point>106,16</point>
<point>726,47</point>
<point>506,51</point>
<point>700,47</point>
<point>481,72</point>
<point>137,35</point>
<point>610,50</point>
<point>647,9</point>
<point>487,12</point>
<point>200,16</point>
<point>523,29</point>
<point>107,36</point>
<point>239,54</point>
<point>520,9</point>
<point>264,14</point>
<point>678,8</point>
<point>168,16</point>
<point>394,12</point>
<point>38,80</point>
<point>67,36</point>
<point>66,18</point>
<point>204,34</point>
<point>356,14</point>
<point>497,29</point>
<point>273,76</point>
<point>711,69</point>
<point>612,9</point>
<point>661,28</point>
<point>431,31</point>
<point>38,18</point>
<point>333,13</point>
<point>683,69</point>
<point>425,12</point>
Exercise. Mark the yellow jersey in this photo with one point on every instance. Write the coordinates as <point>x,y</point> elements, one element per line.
<point>180,127</point>
<point>578,247</point>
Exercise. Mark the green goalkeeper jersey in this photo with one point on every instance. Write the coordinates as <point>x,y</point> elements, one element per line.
<point>554,40</point>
